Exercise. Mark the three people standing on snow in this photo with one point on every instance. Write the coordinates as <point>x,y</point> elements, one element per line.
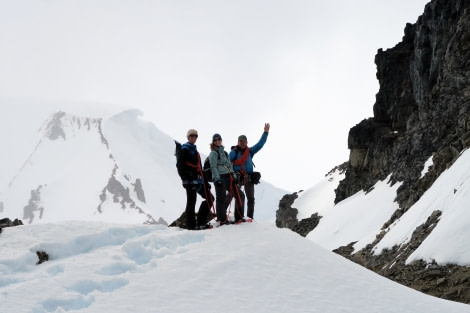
<point>230,172</point>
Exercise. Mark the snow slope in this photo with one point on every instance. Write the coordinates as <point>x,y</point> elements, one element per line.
<point>253,267</point>
<point>361,217</point>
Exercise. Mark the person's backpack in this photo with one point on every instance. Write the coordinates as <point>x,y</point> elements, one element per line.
<point>177,149</point>
<point>177,155</point>
<point>206,168</point>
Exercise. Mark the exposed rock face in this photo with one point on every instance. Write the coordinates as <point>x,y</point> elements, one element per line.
<point>57,125</point>
<point>42,256</point>
<point>306,225</point>
<point>122,195</point>
<point>451,282</point>
<point>34,206</point>
<point>286,215</point>
<point>6,222</point>
<point>422,108</point>
<point>139,190</point>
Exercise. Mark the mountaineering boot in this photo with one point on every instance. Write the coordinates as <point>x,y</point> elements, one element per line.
<point>226,222</point>
<point>206,226</point>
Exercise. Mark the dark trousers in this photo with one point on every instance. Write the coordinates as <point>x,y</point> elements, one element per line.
<point>224,193</point>
<point>204,208</point>
<point>220,192</point>
<point>191,195</point>
<point>250,195</point>
<point>206,205</point>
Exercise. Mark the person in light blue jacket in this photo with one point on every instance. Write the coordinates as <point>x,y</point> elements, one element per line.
<point>242,158</point>
<point>224,179</point>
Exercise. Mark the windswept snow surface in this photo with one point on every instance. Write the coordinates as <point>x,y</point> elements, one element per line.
<point>449,241</point>
<point>357,218</point>
<point>253,267</point>
<point>361,217</point>
<point>319,198</point>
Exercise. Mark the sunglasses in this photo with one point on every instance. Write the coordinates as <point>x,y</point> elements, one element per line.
<point>217,139</point>
<point>193,135</point>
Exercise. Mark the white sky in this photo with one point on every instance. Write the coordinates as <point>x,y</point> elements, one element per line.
<point>97,267</point>
<point>307,67</point>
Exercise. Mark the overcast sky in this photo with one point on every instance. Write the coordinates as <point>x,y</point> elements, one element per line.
<point>306,67</point>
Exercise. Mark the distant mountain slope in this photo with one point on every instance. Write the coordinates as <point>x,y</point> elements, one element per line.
<point>72,174</point>
<point>119,168</point>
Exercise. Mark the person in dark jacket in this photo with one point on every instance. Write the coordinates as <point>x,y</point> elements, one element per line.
<point>242,158</point>
<point>224,179</point>
<point>190,170</point>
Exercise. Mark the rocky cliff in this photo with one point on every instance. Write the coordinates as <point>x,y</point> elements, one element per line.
<point>422,108</point>
<point>422,111</point>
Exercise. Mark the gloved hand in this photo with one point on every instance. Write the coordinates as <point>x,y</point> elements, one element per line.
<point>191,186</point>
<point>235,178</point>
<point>218,183</point>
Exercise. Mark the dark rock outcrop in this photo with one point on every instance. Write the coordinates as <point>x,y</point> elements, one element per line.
<point>422,111</point>
<point>121,194</point>
<point>139,190</point>
<point>42,256</point>
<point>286,215</point>
<point>422,108</point>
<point>451,282</point>
<point>6,222</point>
<point>306,225</point>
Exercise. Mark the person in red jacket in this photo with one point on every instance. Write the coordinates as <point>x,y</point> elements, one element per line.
<point>241,157</point>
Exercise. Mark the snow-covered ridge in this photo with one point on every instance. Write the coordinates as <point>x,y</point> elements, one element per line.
<point>73,160</point>
<point>61,125</point>
<point>120,168</point>
<point>360,218</point>
<point>102,267</point>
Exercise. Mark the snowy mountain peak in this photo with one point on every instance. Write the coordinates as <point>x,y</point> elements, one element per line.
<point>119,168</point>
<point>63,125</point>
<point>73,161</point>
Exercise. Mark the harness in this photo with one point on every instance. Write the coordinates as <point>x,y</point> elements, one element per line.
<point>241,161</point>
<point>200,172</point>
